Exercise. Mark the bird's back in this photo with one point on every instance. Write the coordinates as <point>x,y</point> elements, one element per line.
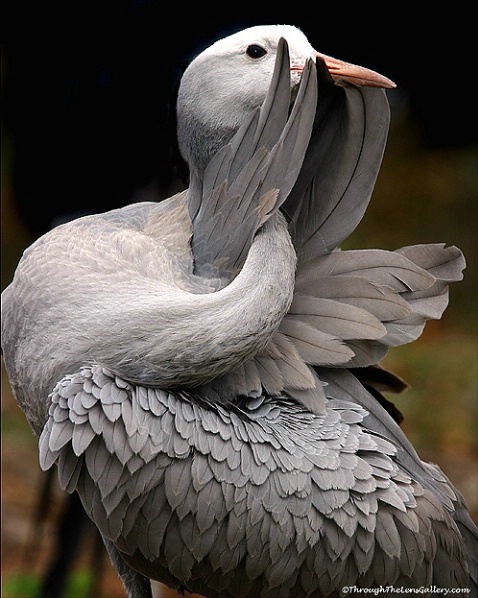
<point>61,308</point>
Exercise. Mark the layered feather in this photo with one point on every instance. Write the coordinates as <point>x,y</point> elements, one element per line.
<point>349,308</point>
<point>340,168</point>
<point>261,498</point>
<point>368,301</point>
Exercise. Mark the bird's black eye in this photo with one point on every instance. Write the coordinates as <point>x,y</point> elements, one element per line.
<point>255,51</point>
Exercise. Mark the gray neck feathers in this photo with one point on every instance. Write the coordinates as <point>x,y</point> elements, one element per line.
<point>189,339</point>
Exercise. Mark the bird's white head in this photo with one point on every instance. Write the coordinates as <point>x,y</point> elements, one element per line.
<point>231,78</point>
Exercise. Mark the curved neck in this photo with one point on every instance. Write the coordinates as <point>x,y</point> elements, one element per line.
<point>184,338</point>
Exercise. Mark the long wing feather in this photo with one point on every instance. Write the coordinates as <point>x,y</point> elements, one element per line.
<point>349,307</point>
<point>249,178</point>
<point>340,167</point>
<point>339,319</point>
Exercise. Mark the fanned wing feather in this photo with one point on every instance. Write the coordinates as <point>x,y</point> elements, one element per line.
<point>341,320</point>
<point>314,346</point>
<point>340,167</point>
<point>444,263</point>
<point>380,267</point>
<point>349,307</point>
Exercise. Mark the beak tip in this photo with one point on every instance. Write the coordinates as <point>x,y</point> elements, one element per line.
<point>352,73</point>
<point>389,84</point>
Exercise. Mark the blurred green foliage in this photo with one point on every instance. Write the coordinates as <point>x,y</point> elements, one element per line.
<point>24,585</point>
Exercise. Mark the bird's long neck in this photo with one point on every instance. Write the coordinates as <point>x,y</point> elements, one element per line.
<point>207,121</point>
<point>189,339</point>
<point>146,327</point>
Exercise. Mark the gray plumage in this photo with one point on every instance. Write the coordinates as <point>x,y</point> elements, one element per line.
<point>193,367</point>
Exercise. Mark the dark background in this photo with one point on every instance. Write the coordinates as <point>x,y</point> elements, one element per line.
<point>88,86</point>
<point>88,125</point>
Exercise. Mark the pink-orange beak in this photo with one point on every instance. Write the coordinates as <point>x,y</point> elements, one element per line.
<point>351,73</point>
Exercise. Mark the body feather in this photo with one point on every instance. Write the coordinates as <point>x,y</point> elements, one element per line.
<point>323,472</point>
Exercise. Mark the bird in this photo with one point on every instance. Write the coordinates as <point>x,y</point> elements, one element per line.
<point>205,371</point>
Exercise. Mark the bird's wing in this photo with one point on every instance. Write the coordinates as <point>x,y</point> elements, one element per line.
<point>349,308</point>
<point>341,165</point>
<point>249,178</point>
<point>265,494</point>
<point>371,300</point>
<point>344,385</point>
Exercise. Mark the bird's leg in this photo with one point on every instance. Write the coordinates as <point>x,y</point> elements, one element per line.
<point>136,585</point>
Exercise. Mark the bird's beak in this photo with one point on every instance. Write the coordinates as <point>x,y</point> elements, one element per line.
<point>351,73</point>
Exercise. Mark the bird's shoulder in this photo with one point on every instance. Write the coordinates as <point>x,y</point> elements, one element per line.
<point>136,239</point>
